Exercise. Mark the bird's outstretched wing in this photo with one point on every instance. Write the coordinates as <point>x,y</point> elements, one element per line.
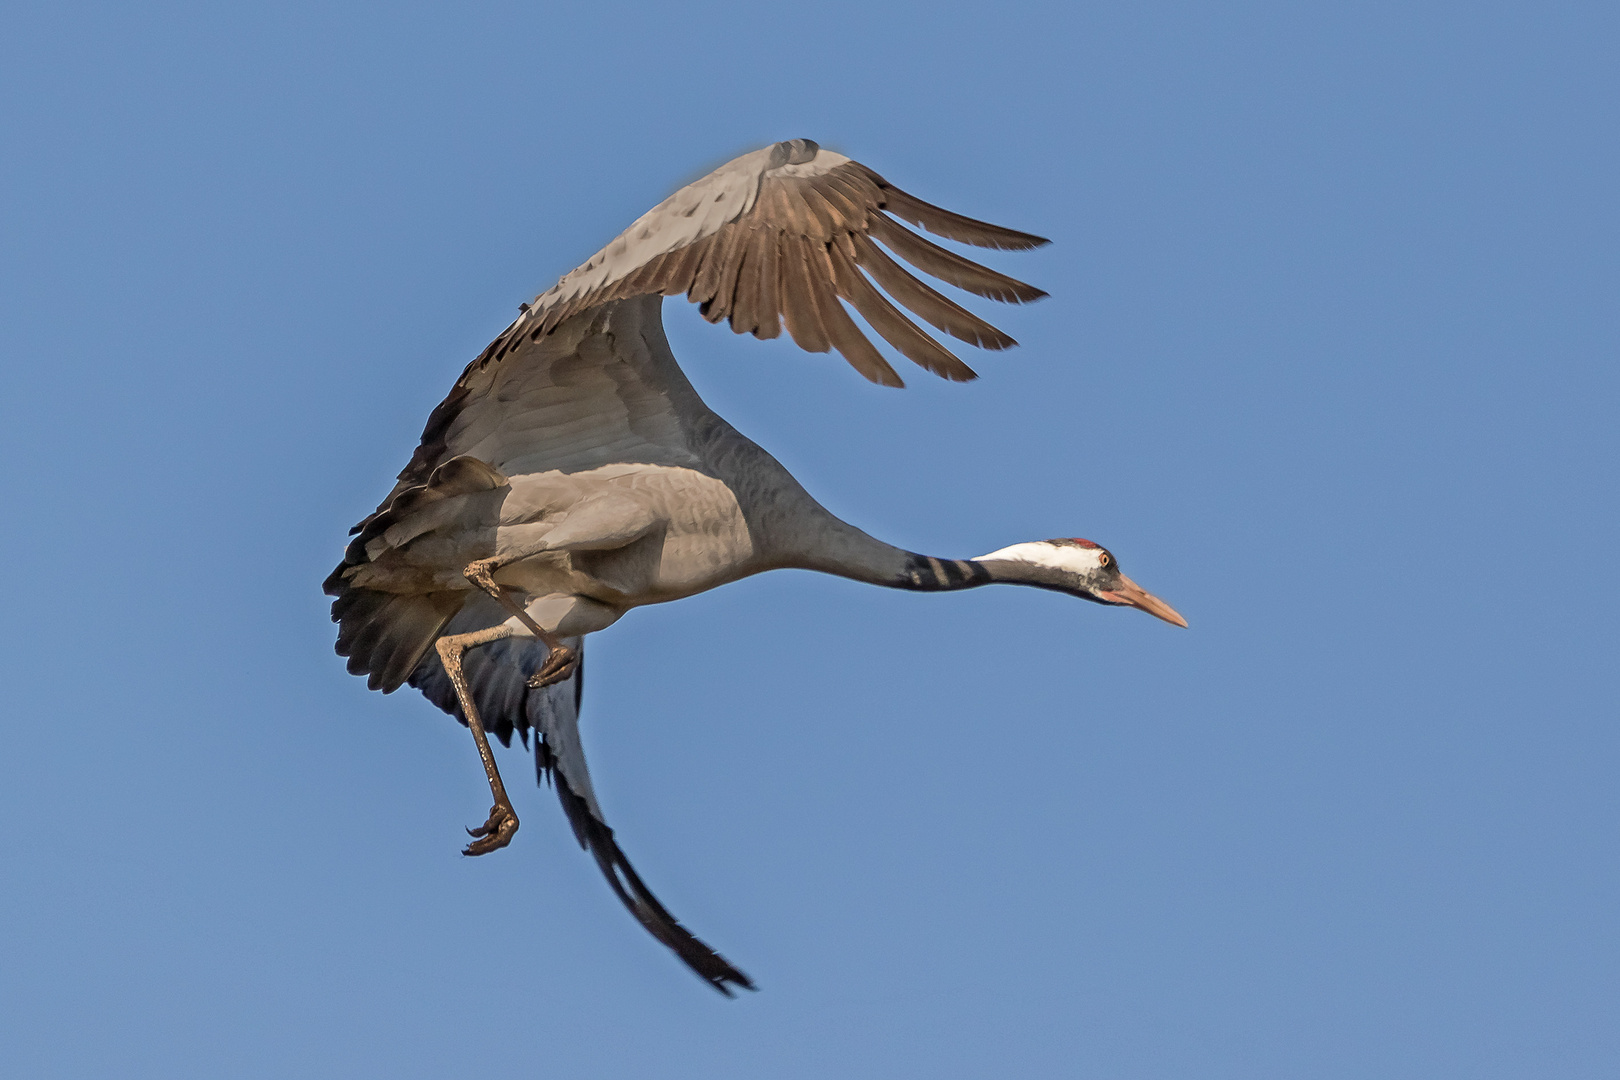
<point>783,234</point>
<point>498,674</point>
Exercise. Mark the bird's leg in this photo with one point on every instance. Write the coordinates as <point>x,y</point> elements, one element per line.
<point>503,822</point>
<point>560,659</point>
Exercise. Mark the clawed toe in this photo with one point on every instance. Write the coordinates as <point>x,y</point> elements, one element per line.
<point>494,833</point>
<point>559,666</point>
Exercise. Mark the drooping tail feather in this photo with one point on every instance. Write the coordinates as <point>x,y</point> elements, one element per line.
<point>559,756</point>
<point>385,635</point>
<point>498,675</point>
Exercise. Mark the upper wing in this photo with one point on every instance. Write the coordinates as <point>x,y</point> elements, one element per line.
<point>785,233</point>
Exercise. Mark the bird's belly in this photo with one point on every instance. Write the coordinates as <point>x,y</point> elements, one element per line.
<point>655,569</point>
<point>548,573</point>
<point>652,570</point>
<point>705,542</point>
<point>691,550</point>
<point>689,564</point>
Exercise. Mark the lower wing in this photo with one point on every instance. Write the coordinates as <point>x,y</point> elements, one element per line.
<point>498,675</point>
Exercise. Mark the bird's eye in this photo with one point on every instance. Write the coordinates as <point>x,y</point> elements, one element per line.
<point>1104,560</point>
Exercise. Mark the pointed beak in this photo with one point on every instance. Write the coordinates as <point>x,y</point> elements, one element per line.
<point>1129,592</point>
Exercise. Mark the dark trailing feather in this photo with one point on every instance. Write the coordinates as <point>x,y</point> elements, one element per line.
<point>748,303</point>
<point>951,226</point>
<point>950,267</point>
<point>706,282</point>
<point>681,266</point>
<point>798,299</point>
<point>498,674</point>
<point>895,328</point>
<point>769,275</point>
<point>639,900</point>
<point>846,337</point>
<point>384,635</point>
<point>721,284</point>
<point>560,759</point>
<point>460,475</point>
<point>918,298</point>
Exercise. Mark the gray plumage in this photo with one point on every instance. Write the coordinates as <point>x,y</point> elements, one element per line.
<point>574,458</point>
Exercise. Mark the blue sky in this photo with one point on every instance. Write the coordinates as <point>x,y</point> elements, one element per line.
<point>1329,363</point>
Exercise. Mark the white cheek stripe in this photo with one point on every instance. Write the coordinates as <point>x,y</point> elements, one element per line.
<point>1076,560</point>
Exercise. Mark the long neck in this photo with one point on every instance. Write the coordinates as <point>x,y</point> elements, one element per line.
<point>825,543</point>
<point>925,573</point>
<point>833,546</point>
<point>788,527</point>
<point>863,558</point>
<point>794,530</point>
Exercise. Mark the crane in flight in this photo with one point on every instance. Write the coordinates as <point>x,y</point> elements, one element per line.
<point>573,473</point>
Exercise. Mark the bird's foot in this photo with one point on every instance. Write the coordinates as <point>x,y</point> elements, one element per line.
<point>482,574</point>
<point>494,833</point>
<point>559,665</point>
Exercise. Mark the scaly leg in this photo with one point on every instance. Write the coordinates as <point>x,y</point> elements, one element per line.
<point>503,822</point>
<point>560,660</point>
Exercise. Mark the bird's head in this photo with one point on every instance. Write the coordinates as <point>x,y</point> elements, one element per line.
<point>1077,567</point>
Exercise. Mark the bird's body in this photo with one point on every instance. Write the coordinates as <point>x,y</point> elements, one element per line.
<point>704,506</point>
<point>573,473</point>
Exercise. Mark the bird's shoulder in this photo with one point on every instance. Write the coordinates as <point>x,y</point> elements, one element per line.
<point>601,390</point>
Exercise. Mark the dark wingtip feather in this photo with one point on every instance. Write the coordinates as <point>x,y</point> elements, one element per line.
<point>948,266</point>
<point>953,226</point>
<point>633,893</point>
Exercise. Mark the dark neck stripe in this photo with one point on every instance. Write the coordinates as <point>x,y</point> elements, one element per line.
<point>924,573</point>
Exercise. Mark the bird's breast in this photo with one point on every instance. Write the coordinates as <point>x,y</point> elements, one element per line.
<point>701,541</point>
<point>692,535</point>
